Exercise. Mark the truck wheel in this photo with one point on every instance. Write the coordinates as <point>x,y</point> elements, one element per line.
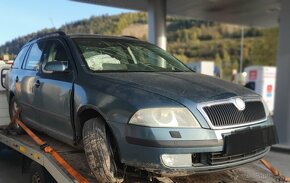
<point>2,147</point>
<point>98,151</point>
<point>38,174</point>
<point>13,107</point>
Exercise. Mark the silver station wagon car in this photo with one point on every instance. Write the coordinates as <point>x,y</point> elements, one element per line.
<point>133,107</point>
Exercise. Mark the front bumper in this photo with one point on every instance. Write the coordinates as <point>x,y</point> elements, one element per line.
<point>143,147</point>
<point>206,168</point>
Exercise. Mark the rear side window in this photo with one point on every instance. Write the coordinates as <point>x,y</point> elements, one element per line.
<point>20,57</point>
<point>34,56</point>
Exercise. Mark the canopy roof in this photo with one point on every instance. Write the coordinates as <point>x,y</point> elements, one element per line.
<point>262,13</point>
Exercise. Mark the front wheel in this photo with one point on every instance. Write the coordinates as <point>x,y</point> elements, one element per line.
<point>98,151</point>
<point>13,107</point>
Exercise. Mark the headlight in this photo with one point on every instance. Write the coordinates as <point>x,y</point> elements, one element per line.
<point>165,117</point>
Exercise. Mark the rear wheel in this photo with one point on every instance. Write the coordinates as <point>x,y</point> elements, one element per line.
<point>13,107</point>
<point>98,151</point>
<point>38,174</point>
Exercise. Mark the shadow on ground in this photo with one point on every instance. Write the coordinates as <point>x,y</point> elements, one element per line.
<point>10,168</point>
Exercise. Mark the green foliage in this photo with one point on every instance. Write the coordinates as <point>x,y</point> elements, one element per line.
<point>126,19</point>
<point>265,47</point>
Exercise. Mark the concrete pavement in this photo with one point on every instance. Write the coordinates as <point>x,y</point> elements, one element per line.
<point>4,115</point>
<point>280,161</point>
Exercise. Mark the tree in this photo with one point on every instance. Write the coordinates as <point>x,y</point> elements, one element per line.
<point>265,47</point>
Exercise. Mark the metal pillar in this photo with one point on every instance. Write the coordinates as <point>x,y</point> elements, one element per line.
<point>242,50</point>
<point>282,96</point>
<point>157,22</point>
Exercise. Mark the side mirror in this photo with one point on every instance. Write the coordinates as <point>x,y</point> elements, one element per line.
<point>55,66</point>
<point>3,76</point>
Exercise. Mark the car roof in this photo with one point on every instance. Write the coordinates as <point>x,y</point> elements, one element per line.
<point>78,35</point>
<point>101,36</point>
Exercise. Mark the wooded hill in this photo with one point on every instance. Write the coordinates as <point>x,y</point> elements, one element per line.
<point>188,39</point>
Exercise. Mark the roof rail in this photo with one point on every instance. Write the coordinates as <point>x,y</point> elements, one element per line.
<point>133,37</point>
<point>60,33</point>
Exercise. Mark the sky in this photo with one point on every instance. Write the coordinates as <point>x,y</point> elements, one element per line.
<point>21,17</point>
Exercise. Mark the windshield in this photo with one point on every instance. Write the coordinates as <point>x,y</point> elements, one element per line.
<point>122,55</point>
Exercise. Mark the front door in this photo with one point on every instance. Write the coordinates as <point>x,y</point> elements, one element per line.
<point>53,97</point>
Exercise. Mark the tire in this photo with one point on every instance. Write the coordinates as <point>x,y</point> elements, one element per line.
<point>98,151</point>
<point>13,106</point>
<point>38,174</point>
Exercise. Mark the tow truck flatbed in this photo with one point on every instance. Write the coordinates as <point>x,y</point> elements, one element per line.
<point>27,147</point>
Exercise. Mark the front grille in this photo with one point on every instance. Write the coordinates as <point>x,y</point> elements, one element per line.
<point>220,158</point>
<point>227,114</point>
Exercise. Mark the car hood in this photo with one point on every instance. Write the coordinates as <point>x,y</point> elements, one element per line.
<point>182,85</point>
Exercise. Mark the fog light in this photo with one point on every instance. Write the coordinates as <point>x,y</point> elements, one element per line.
<point>177,160</point>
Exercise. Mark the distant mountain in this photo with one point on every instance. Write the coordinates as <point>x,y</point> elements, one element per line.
<point>188,39</point>
<point>108,25</point>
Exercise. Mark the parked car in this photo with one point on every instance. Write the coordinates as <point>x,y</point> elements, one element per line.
<point>131,105</point>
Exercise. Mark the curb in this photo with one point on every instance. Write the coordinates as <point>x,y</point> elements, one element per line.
<point>281,148</point>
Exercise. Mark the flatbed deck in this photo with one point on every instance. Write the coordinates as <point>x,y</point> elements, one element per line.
<point>26,146</point>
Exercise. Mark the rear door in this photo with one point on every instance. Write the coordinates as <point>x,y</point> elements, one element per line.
<point>16,72</point>
<point>27,79</point>
<point>53,97</point>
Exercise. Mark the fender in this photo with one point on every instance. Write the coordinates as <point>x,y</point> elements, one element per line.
<point>77,121</point>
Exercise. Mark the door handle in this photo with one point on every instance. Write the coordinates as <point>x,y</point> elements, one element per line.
<point>16,79</point>
<point>37,84</point>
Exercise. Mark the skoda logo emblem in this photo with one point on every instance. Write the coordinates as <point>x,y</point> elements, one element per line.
<point>240,104</point>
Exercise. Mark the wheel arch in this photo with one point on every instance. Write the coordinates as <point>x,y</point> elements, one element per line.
<point>88,112</point>
<point>85,113</point>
